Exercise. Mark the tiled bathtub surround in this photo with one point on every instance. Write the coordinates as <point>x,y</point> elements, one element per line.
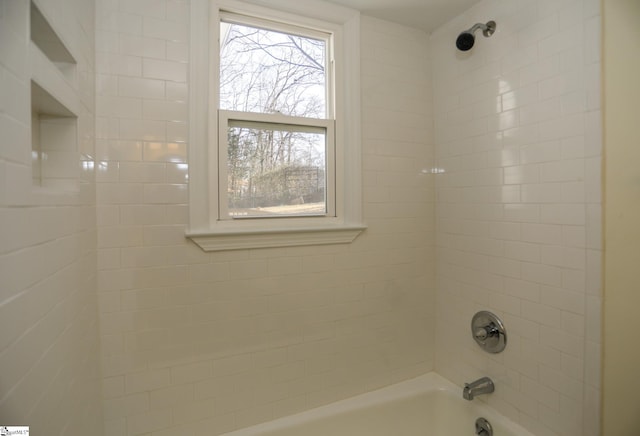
<point>201,343</point>
<point>518,141</point>
<point>49,353</point>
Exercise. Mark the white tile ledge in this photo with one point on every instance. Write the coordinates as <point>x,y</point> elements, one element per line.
<point>252,238</point>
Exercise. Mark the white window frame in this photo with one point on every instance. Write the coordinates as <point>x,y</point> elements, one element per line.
<point>208,227</point>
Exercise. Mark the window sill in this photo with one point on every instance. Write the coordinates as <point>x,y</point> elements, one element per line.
<point>253,238</point>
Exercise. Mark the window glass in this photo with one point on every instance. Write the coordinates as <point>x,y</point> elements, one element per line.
<point>275,171</point>
<point>268,71</point>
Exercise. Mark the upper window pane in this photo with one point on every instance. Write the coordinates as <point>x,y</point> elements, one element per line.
<point>269,71</point>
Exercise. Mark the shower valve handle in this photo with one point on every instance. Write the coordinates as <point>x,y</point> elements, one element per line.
<point>488,331</point>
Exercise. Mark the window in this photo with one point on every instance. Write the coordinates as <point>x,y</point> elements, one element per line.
<point>274,160</point>
<point>275,119</point>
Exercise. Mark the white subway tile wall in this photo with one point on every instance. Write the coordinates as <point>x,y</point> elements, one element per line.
<point>201,343</point>
<point>517,128</point>
<point>49,352</point>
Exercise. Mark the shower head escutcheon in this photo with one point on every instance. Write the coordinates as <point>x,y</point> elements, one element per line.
<point>466,39</point>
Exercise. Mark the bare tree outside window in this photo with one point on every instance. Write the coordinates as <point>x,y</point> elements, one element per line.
<point>274,169</point>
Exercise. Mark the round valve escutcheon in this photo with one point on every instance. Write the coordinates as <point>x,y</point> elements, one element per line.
<point>488,331</point>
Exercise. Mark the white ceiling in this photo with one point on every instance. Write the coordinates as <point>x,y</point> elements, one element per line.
<point>427,15</point>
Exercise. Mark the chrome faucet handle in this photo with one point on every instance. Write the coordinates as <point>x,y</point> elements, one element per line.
<point>487,331</point>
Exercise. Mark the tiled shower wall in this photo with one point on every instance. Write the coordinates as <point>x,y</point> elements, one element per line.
<point>49,355</point>
<point>200,343</point>
<point>518,141</point>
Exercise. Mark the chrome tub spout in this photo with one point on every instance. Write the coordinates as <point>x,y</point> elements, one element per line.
<point>481,386</point>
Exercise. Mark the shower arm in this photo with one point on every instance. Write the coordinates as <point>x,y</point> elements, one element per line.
<point>487,29</point>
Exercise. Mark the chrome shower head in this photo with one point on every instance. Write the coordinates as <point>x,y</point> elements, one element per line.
<point>466,39</point>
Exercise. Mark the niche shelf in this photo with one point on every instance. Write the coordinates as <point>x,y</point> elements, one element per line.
<point>55,105</point>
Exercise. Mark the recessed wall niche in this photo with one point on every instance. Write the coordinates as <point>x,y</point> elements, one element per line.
<point>55,160</point>
<point>48,41</point>
<point>54,143</point>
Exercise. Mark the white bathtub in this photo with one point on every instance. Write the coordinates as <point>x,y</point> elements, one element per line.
<point>428,405</point>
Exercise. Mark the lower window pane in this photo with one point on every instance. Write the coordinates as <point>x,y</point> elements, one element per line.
<point>275,172</point>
